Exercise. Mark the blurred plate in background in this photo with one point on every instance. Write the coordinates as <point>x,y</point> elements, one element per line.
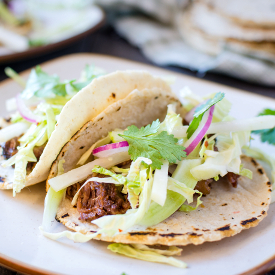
<point>58,28</point>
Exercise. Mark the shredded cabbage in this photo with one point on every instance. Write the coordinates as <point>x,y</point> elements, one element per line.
<point>169,251</point>
<point>78,174</point>
<point>159,190</point>
<point>146,255</point>
<point>13,130</point>
<point>227,159</point>
<point>88,153</point>
<point>181,188</point>
<point>114,135</point>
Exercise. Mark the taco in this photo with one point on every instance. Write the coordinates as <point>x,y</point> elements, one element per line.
<point>36,136</point>
<point>131,186</point>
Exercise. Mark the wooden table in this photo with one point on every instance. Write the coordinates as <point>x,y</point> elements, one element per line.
<point>107,41</point>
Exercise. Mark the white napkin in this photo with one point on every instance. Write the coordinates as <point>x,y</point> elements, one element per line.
<point>160,41</point>
<point>163,45</point>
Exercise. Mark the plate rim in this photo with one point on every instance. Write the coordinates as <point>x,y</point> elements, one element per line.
<point>35,51</point>
<point>24,268</point>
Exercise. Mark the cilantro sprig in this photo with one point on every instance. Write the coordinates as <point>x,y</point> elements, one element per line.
<point>40,84</point>
<point>200,111</point>
<point>147,142</point>
<point>267,135</point>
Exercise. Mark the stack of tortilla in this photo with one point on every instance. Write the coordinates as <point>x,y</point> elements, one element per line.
<point>245,27</point>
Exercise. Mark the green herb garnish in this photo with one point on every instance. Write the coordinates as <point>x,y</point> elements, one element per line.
<point>267,135</point>
<point>147,142</point>
<point>200,112</point>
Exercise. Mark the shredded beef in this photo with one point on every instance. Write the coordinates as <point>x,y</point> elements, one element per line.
<point>125,164</point>
<point>204,186</point>
<point>10,147</point>
<point>232,178</point>
<point>97,199</point>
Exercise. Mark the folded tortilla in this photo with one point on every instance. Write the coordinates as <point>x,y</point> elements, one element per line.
<point>84,106</point>
<point>225,212</point>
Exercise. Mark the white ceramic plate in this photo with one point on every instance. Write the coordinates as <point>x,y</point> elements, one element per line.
<point>23,247</point>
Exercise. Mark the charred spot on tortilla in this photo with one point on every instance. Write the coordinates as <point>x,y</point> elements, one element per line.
<point>113,95</point>
<point>156,97</point>
<point>224,228</point>
<point>263,212</point>
<point>118,108</point>
<point>75,224</point>
<point>254,162</point>
<point>142,233</point>
<point>65,215</point>
<point>82,147</point>
<point>57,219</point>
<point>260,171</point>
<point>263,203</point>
<point>249,221</point>
<point>8,119</point>
<point>268,183</point>
<point>224,204</point>
<point>194,234</point>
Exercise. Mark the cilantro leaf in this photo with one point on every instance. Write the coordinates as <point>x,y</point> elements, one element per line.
<point>41,84</point>
<point>146,142</point>
<point>199,112</point>
<point>193,125</point>
<point>210,102</point>
<point>267,135</point>
<point>90,72</point>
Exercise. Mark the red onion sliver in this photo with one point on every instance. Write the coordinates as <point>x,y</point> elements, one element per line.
<point>110,146</point>
<point>24,111</point>
<point>202,132</point>
<point>110,149</point>
<point>190,115</point>
<point>110,152</point>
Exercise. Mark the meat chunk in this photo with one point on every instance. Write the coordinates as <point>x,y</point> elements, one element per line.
<point>37,150</point>
<point>10,147</point>
<point>232,179</point>
<point>97,199</point>
<point>204,186</point>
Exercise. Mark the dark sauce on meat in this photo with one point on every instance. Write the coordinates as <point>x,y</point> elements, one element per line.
<point>98,199</point>
<point>10,147</point>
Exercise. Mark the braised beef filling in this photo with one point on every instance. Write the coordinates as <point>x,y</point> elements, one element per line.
<point>97,199</point>
<point>10,149</point>
<point>204,186</point>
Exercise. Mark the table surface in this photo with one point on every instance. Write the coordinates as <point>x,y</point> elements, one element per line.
<point>107,41</point>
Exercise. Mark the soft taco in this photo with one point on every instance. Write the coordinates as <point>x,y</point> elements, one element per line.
<point>131,186</point>
<point>50,112</point>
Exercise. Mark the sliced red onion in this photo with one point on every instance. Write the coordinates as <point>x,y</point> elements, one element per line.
<point>190,115</point>
<point>195,139</point>
<point>110,149</point>
<point>24,111</point>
